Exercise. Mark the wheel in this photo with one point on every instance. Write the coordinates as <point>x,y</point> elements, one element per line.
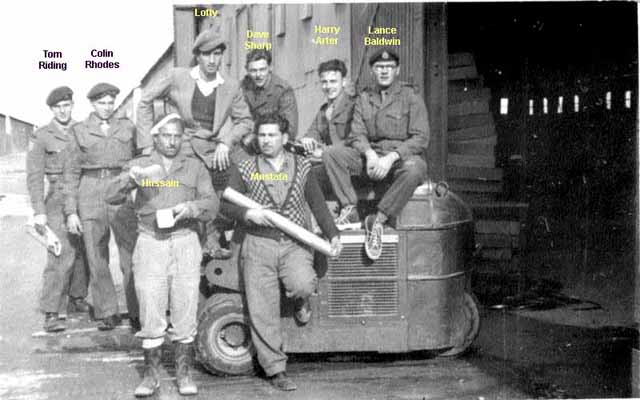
<point>469,326</point>
<point>224,339</point>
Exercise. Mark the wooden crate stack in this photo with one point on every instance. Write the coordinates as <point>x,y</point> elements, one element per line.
<point>471,163</point>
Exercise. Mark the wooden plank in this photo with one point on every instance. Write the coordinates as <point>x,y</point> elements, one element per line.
<point>460,59</point>
<point>465,72</point>
<point>496,254</point>
<point>490,140</point>
<point>495,241</point>
<point>468,185</point>
<point>465,84</point>
<point>502,227</point>
<point>503,210</point>
<point>469,107</point>
<point>468,95</point>
<point>471,197</point>
<point>464,160</point>
<point>467,121</point>
<point>487,174</point>
<point>472,148</point>
<point>475,132</point>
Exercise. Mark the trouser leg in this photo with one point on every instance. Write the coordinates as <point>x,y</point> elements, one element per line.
<point>406,177</point>
<point>151,259</point>
<point>341,163</point>
<point>295,268</point>
<point>259,263</point>
<point>123,222</point>
<point>79,284</point>
<point>96,241</point>
<point>56,275</point>
<point>185,255</point>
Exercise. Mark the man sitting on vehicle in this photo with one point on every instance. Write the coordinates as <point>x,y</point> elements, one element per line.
<point>332,123</point>
<point>389,133</point>
<point>282,182</point>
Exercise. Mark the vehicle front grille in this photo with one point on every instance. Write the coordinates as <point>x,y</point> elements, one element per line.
<point>359,287</point>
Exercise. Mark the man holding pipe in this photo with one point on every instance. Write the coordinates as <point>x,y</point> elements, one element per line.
<point>281,182</point>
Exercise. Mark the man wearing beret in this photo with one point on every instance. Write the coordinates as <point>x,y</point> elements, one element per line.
<point>267,93</point>
<point>66,274</point>
<point>389,134</point>
<point>173,192</point>
<point>213,108</point>
<point>101,145</point>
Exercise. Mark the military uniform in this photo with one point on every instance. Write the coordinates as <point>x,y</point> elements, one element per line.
<point>399,123</point>
<point>93,158</point>
<point>332,123</point>
<point>67,273</point>
<point>276,97</point>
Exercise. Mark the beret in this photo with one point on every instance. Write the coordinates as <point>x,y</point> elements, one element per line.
<point>102,89</point>
<point>384,54</point>
<point>208,40</point>
<point>58,94</point>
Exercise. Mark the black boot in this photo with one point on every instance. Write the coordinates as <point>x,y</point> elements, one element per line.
<point>150,380</point>
<point>52,323</point>
<point>183,354</point>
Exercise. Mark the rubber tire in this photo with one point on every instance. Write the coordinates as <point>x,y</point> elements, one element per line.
<point>218,311</point>
<point>471,328</point>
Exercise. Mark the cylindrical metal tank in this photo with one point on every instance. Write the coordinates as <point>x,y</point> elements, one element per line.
<point>440,241</point>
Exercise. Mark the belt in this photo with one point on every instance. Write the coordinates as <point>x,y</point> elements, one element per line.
<point>164,234</point>
<point>102,173</point>
<point>267,232</point>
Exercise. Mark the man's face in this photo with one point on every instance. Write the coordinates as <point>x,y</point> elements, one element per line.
<point>385,72</point>
<point>332,83</point>
<point>104,106</point>
<point>169,140</point>
<point>62,111</point>
<point>271,140</point>
<point>259,72</point>
<point>210,62</point>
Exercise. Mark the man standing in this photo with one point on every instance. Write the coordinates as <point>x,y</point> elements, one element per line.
<point>65,274</point>
<point>266,93</point>
<point>268,254</point>
<point>100,147</point>
<point>390,130</point>
<point>215,113</point>
<point>332,124</point>
<point>167,255</point>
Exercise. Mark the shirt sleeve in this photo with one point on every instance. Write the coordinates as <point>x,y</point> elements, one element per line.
<point>288,108</point>
<point>71,171</point>
<point>315,198</point>
<point>207,203</point>
<point>158,90</point>
<point>241,119</point>
<point>357,137</point>
<point>418,130</point>
<point>236,183</point>
<point>119,187</point>
<point>314,130</point>
<point>35,176</point>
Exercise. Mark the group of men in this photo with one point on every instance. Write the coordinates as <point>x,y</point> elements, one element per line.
<point>105,174</point>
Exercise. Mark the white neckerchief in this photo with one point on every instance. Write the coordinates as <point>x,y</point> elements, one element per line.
<point>206,87</point>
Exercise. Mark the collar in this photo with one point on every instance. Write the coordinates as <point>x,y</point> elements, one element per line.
<point>273,80</point>
<point>288,158</point>
<point>177,161</point>
<point>393,89</point>
<point>57,127</point>
<point>195,74</point>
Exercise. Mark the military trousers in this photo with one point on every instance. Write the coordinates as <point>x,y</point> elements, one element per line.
<point>167,276</point>
<point>264,263</point>
<point>98,220</point>
<point>341,163</point>
<point>65,275</point>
